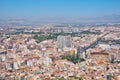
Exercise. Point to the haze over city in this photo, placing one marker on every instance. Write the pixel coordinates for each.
(61, 10)
(59, 39)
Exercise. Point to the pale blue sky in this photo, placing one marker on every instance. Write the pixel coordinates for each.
(58, 8)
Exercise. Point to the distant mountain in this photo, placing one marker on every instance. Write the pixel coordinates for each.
(42, 20)
(14, 22)
(104, 19)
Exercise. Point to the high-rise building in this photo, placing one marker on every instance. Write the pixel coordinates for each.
(63, 41)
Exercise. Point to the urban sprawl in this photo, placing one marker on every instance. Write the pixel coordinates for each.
(60, 52)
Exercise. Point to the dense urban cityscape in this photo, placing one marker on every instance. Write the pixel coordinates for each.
(60, 52)
(59, 39)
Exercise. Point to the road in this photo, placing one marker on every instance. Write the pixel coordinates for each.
(95, 42)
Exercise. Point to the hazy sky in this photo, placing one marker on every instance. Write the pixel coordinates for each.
(58, 8)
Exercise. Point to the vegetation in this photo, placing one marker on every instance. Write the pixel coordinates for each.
(62, 33)
(69, 78)
(43, 37)
(117, 41)
(89, 32)
(73, 58)
(74, 77)
(112, 41)
(109, 77)
(40, 37)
